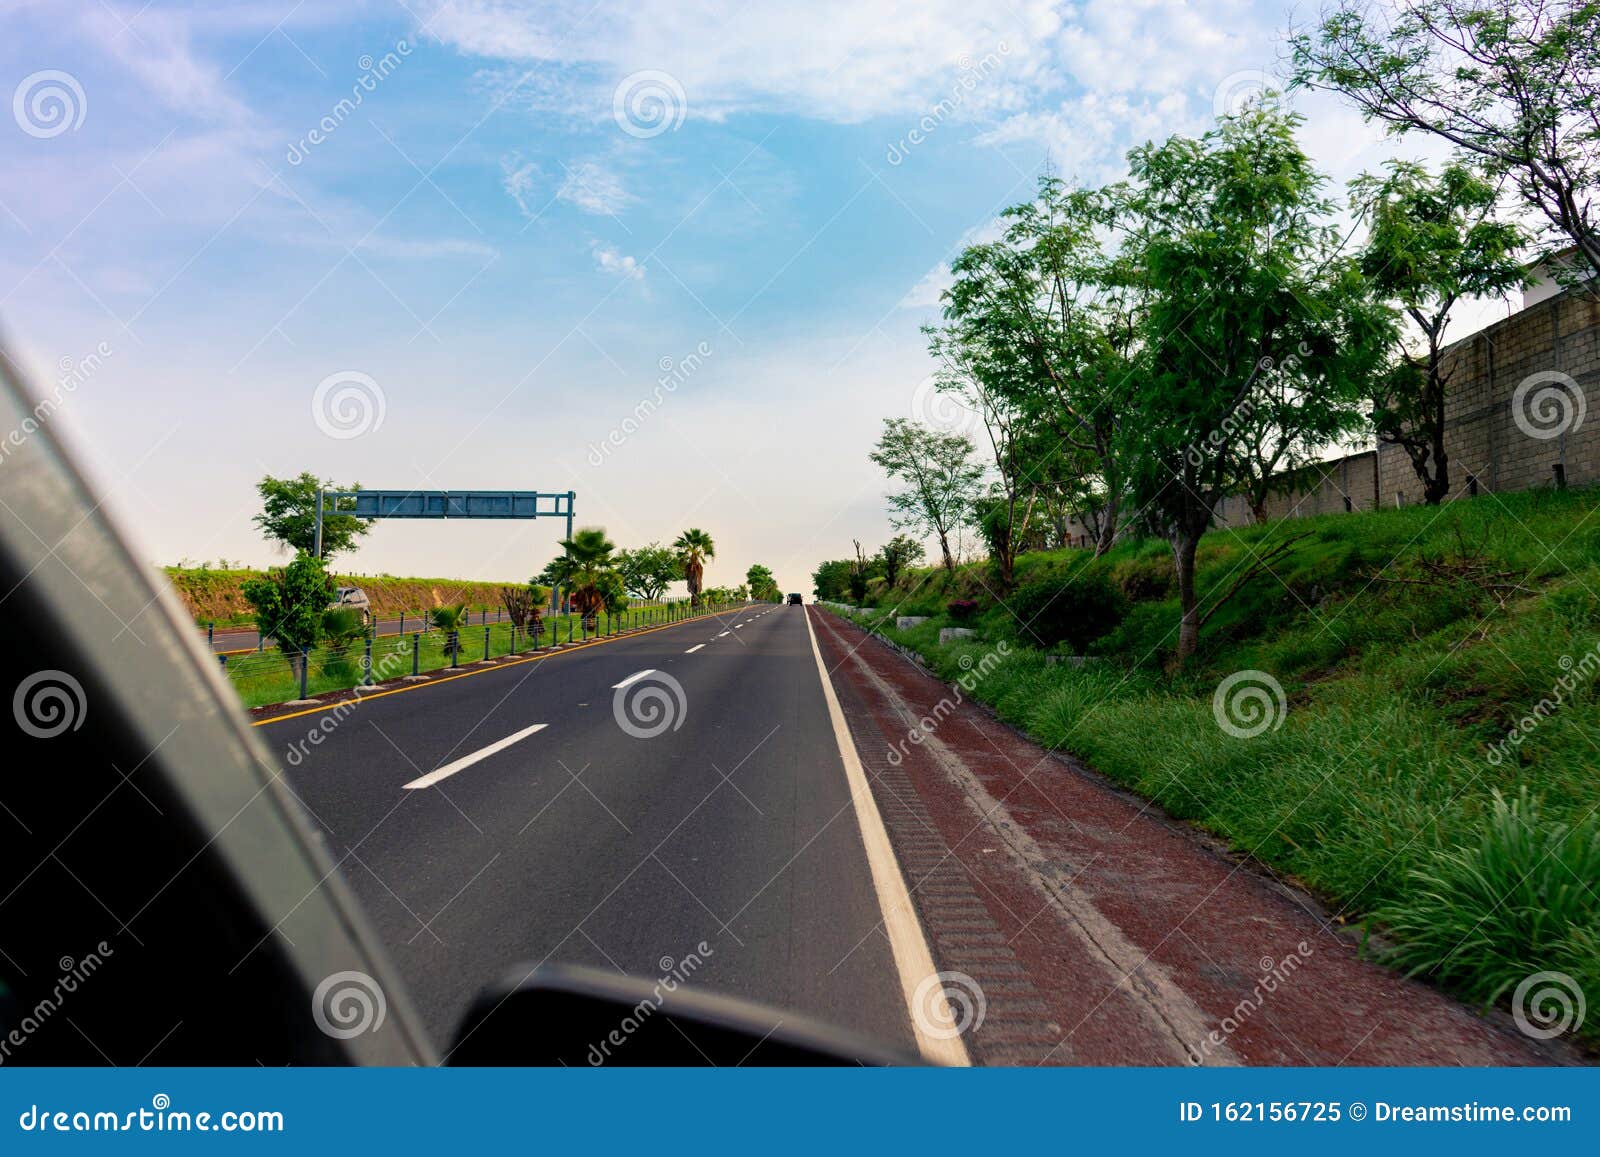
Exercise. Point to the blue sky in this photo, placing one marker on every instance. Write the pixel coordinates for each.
(474, 274)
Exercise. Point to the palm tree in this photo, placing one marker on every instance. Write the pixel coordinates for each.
(450, 620)
(694, 547)
(586, 570)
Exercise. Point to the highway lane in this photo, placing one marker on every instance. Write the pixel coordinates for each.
(580, 842)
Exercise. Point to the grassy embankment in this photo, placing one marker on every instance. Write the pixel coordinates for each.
(213, 596)
(1410, 643)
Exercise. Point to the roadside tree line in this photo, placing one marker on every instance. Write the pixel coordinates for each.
(1131, 354)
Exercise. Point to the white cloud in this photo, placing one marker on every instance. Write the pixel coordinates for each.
(839, 60)
(594, 188)
(1085, 79)
(423, 248)
(607, 259)
(519, 178)
(155, 48)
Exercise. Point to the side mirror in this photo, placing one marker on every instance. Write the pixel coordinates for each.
(565, 1014)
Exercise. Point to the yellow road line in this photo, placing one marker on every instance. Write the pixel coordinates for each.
(499, 666)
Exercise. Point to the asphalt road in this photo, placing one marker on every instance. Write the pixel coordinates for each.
(582, 843)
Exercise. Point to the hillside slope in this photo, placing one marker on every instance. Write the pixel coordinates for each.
(214, 595)
(1399, 712)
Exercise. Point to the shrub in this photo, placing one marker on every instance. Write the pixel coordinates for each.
(1146, 578)
(1484, 917)
(962, 610)
(1075, 611)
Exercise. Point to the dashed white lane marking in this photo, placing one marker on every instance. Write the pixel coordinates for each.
(634, 678)
(693, 649)
(467, 761)
(724, 633)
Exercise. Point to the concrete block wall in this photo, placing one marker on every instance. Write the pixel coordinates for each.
(1504, 395)
(1500, 434)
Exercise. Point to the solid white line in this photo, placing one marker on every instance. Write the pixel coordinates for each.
(907, 943)
(467, 761)
(634, 678)
(693, 649)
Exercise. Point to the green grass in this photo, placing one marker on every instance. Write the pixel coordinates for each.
(265, 677)
(1409, 643)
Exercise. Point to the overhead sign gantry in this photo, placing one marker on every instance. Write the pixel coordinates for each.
(443, 504)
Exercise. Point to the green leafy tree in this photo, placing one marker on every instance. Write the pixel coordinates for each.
(940, 479)
(289, 515)
(831, 580)
(1432, 241)
(761, 584)
(290, 604)
(695, 548)
(1242, 279)
(1514, 85)
(898, 555)
(1039, 336)
(647, 571)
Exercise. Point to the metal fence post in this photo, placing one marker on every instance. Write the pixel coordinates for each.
(211, 632)
(486, 630)
(416, 652)
(224, 659)
(366, 664)
(305, 669)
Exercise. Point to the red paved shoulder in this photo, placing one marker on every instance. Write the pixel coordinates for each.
(1088, 928)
